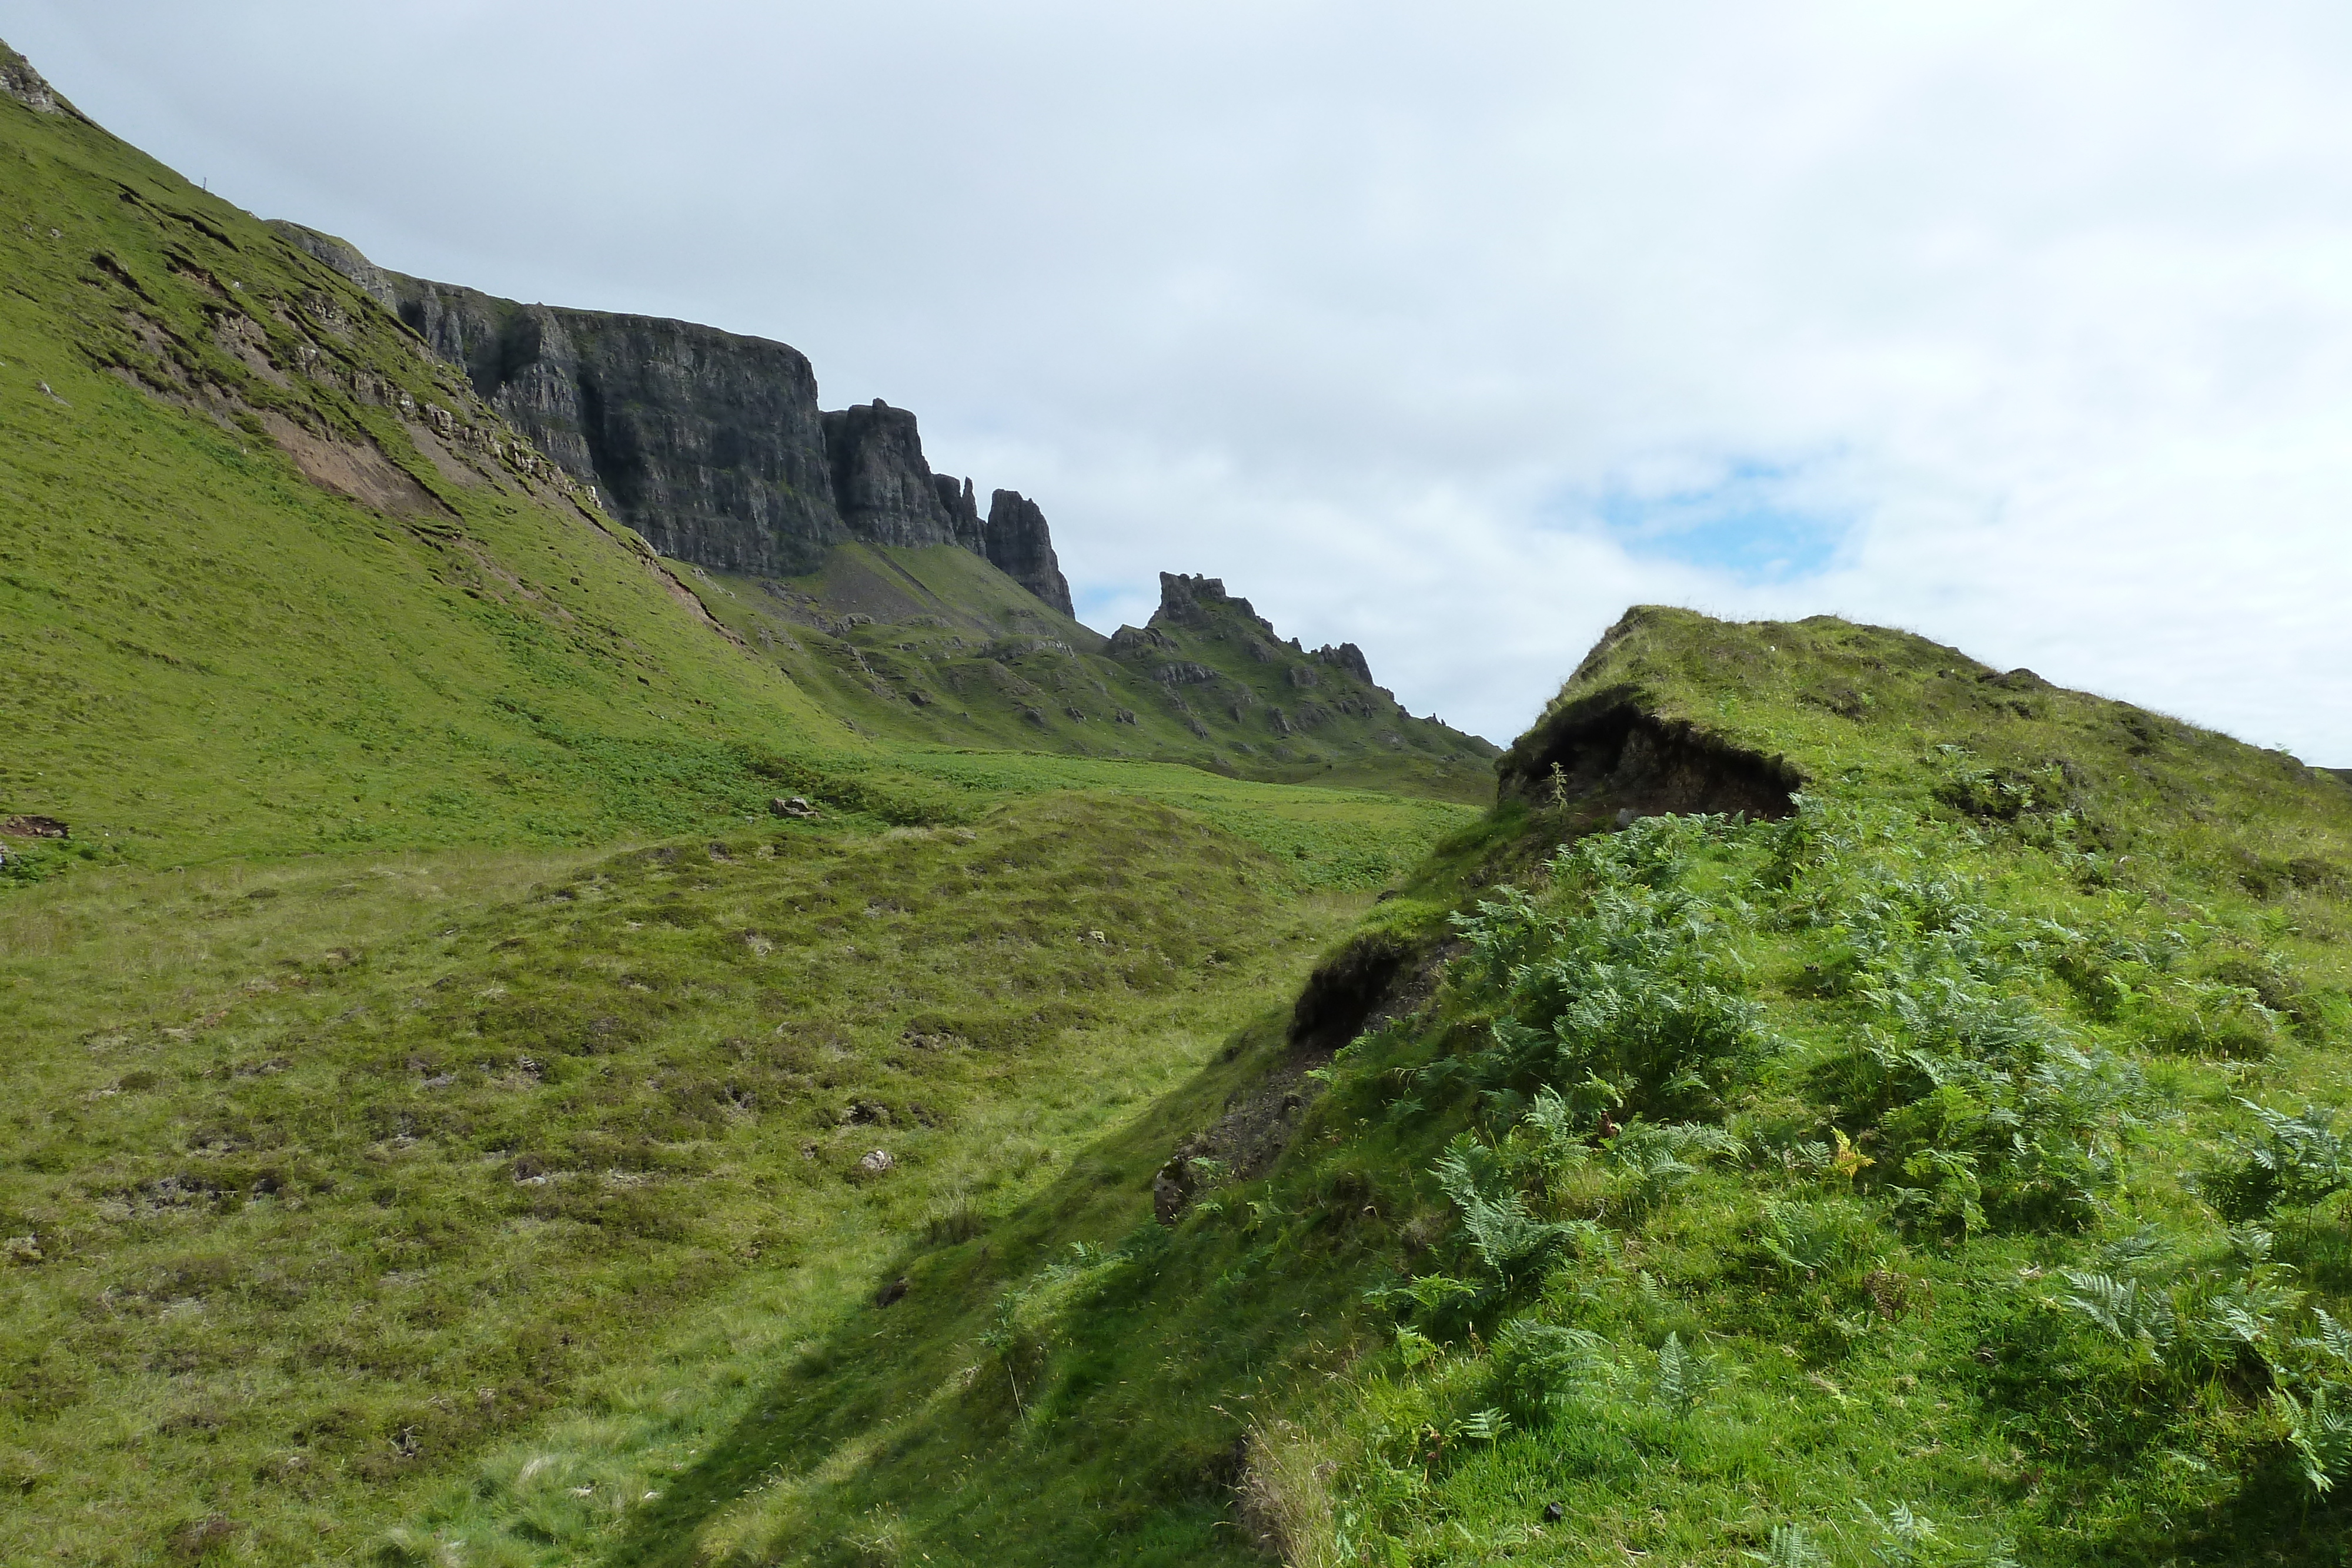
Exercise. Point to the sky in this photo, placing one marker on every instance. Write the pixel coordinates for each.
(1447, 330)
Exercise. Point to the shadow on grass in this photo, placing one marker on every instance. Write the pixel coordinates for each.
(883, 1362)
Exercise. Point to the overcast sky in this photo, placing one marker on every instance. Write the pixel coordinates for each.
(1448, 330)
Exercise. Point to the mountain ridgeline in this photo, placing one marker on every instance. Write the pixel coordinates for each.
(819, 535)
(708, 442)
(713, 447)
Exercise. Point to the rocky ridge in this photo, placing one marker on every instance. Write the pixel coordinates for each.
(20, 81)
(908, 647)
(709, 444)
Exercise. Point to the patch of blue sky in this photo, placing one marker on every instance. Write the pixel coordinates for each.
(1751, 525)
(1111, 606)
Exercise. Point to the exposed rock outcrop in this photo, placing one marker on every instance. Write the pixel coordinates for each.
(1374, 979)
(963, 512)
(20, 81)
(1349, 657)
(1021, 547)
(708, 442)
(1199, 605)
(1609, 744)
(373, 280)
(1191, 601)
(885, 491)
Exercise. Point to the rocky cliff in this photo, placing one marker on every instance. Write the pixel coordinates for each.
(709, 444)
(1021, 547)
(1198, 602)
(886, 492)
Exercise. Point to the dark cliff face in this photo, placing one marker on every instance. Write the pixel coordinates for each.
(708, 444)
(1191, 601)
(963, 513)
(886, 492)
(1022, 547)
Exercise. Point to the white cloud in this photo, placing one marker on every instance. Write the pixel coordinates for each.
(1451, 331)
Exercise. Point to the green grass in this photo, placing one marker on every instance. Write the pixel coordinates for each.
(398, 1072)
(440, 1096)
(1902, 1327)
(937, 648)
(1875, 1187)
(214, 658)
(336, 1174)
(1362, 839)
(210, 655)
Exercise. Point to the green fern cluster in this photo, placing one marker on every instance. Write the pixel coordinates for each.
(1841, 1047)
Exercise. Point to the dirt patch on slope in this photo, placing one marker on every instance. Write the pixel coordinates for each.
(1607, 747)
(350, 468)
(445, 463)
(357, 469)
(1374, 979)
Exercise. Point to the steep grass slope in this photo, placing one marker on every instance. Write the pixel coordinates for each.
(271, 581)
(1939, 1161)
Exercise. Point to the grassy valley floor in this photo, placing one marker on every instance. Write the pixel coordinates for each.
(327, 1176)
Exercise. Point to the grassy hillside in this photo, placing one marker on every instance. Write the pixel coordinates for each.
(271, 581)
(937, 647)
(219, 652)
(1843, 1105)
(1943, 1167)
